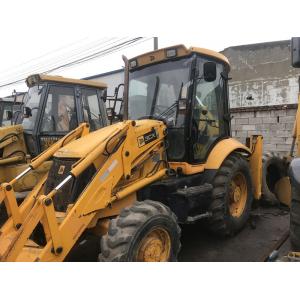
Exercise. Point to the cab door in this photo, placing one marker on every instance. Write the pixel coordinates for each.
(59, 115)
(209, 107)
(92, 108)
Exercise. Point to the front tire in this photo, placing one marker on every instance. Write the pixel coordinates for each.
(147, 231)
(231, 197)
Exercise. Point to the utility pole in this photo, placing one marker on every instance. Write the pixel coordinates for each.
(155, 42)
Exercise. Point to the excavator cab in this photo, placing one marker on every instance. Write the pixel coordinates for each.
(188, 91)
(55, 106)
(10, 107)
(52, 107)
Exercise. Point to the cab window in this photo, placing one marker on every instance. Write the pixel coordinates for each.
(60, 113)
(6, 108)
(208, 124)
(32, 101)
(91, 109)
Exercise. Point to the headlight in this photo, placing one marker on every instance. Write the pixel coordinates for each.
(171, 53)
(133, 63)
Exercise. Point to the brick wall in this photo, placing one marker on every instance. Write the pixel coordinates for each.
(275, 123)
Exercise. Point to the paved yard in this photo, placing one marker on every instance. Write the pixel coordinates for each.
(249, 245)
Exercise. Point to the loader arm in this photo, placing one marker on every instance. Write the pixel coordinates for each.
(118, 158)
(12, 145)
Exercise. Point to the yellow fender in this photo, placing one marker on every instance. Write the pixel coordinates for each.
(254, 153)
(221, 150)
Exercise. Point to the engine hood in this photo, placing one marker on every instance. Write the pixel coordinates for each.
(83, 146)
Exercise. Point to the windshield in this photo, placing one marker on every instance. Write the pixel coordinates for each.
(32, 101)
(154, 91)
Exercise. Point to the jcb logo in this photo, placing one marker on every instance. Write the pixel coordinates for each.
(61, 170)
(141, 141)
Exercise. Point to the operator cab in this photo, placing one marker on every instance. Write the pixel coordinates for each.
(56, 105)
(10, 107)
(188, 90)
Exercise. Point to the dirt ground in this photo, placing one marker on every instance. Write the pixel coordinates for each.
(254, 243)
(267, 230)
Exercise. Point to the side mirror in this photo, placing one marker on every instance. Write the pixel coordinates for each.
(210, 71)
(295, 51)
(110, 113)
(120, 91)
(9, 115)
(27, 112)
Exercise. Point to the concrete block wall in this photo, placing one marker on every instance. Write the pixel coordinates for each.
(275, 124)
(264, 72)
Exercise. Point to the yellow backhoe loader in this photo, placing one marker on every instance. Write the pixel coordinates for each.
(53, 106)
(171, 161)
(10, 107)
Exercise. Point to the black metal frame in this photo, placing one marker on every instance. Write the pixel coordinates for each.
(225, 110)
(36, 134)
(188, 156)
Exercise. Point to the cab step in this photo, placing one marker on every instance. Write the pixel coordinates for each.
(190, 203)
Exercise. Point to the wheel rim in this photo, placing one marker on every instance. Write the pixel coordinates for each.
(238, 195)
(155, 246)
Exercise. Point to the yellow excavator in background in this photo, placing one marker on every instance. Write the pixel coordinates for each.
(53, 106)
(171, 161)
(10, 108)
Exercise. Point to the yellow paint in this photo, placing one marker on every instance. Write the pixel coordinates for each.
(283, 191)
(39, 78)
(215, 158)
(238, 195)
(187, 168)
(255, 163)
(160, 55)
(296, 132)
(154, 247)
(97, 197)
(222, 150)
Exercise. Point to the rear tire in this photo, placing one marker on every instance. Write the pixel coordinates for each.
(146, 231)
(231, 197)
(295, 220)
(273, 169)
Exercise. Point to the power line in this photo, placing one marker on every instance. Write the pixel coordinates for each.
(82, 51)
(110, 50)
(97, 54)
(50, 67)
(43, 55)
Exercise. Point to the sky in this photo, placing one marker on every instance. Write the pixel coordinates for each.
(34, 33)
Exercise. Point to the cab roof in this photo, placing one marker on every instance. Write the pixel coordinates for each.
(39, 78)
(181, 50)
